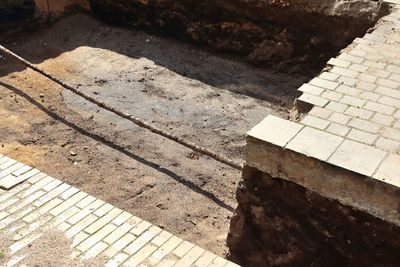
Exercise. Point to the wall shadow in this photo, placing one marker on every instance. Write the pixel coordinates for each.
(226, 72)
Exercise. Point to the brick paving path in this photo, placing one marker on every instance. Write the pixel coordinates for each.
(31, 201)
(355, 119)
(347, 147)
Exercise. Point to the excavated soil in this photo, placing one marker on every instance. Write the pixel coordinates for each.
(209, 99)
(51, 248)
(305, 229)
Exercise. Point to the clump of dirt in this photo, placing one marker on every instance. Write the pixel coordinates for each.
(53, 248)
(284, 34)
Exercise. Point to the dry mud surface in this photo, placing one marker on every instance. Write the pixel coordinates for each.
(206, 98)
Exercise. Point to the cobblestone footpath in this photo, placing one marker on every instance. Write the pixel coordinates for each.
(31, 201)
(353, 124)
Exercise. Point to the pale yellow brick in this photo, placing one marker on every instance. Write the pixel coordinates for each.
(26, 201)
(339, 118)
(351, 58)
(366, 85)
(344, 72)
(382, 119)
(338, 129)
(315, 122)
(117, 260)
(362, 137)
(205, 259)
(365, 125)
(352, 101)
(347, 90)
(142, 240)
(140, 228)
(97, 237)
(387, 144)
(53, 184)
(339, 62)
(369, 78)
(335, 106)
(65, 205)
(388, 83)
(164, 250)
(141, 255)
(121, 244)
(51, 195)
(347, 81)
(183, 248)
(43, 210)
(22, 170)
(122, 218)
(328, 76)
(161, 238)
(388, 92)
(81, 225)
(324, 83)
(78, 238)
(370, 96)
(374, 64)
(103, 221)
(331, 95)
(387, 100)
(314, 100)
(103, 210)
(85, 211)
(388, 110)
(94, 251)
(358, 67)
(311, 89)
(359, 113)
(390, 133)
(190, 257)
(118, 233)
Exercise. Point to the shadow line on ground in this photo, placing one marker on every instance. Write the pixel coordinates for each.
(120, 149)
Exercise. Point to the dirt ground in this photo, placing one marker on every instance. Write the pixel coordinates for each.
(51, 248)
(209, 99)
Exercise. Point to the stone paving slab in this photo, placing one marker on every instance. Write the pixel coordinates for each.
(31, 201)
(347, 146)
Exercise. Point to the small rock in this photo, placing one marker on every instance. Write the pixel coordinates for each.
(41, 95)
(73, 153)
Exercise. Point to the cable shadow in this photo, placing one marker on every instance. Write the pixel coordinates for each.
(120, 149)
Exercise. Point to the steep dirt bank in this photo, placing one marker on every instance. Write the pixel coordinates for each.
(279, 223)
(14, 10)
(291, 34)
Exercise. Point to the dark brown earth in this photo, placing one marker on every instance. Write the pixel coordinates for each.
(193, 93)
(14, 10)
(279, 223)
(300, 35)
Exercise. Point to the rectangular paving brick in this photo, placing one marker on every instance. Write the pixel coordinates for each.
(353, 155)
(275, 130)
(315, 143)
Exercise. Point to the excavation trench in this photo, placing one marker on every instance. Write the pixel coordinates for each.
(206, 71)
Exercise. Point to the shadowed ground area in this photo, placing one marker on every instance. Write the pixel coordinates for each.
(209, 99)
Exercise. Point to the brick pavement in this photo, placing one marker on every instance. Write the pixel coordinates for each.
(347, 144)
(31, 201)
